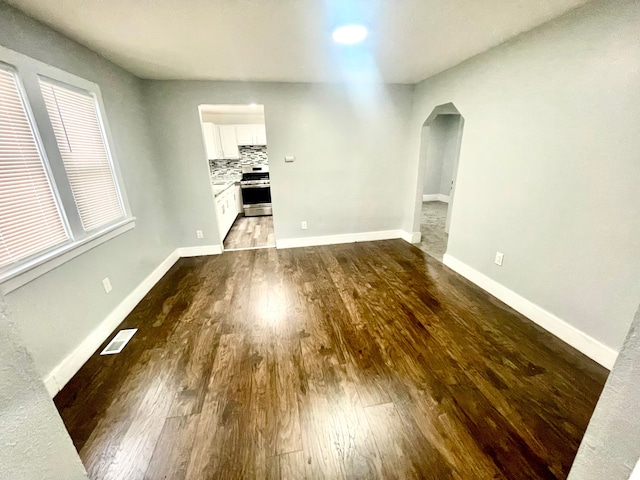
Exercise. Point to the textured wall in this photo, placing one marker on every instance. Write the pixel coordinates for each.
(611, 445)
(549, 171)
(55, 312)
(34, 444)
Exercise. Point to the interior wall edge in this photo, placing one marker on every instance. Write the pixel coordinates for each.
(589, 346)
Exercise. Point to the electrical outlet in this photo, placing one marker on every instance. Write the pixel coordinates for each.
(199, 234)
(499, 257)
(304, 225)
(106, 283)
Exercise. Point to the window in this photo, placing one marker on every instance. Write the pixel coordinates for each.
(60, 190)
(81, 143)
(30, 220)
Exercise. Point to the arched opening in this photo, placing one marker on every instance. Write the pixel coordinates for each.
(440, 141)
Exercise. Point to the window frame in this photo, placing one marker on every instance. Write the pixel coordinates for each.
(28, 72)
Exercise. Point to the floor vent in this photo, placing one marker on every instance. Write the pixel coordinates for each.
(119, 341)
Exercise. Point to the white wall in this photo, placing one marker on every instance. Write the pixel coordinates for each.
(350, 144)
(549, 169)
(433, 138)
(451, 124)
(441, 154)
(55, 312)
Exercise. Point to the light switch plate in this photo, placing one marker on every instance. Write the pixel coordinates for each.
(499, 258)
(289, 158)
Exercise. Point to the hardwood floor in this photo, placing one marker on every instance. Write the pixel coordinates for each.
(248, 232)
(367, 360)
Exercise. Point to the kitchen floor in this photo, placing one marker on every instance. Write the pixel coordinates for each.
(250, 232)
(432, 222)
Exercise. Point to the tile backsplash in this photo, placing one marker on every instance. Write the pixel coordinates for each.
(230, 170)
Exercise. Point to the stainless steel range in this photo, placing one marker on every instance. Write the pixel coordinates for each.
(256, 190)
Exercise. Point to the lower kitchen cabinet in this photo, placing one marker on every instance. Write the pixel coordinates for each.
(227, 208)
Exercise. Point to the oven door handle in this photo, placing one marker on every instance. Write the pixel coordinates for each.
(254, 186)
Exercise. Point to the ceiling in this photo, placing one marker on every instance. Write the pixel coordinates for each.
(290, 40)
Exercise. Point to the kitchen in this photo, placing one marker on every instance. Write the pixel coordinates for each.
(236, 145)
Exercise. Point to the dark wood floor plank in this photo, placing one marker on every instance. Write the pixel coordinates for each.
(486, 374)
(222, 429)
(137, 445)
(173, 450)
(368, 360)
(404, 451)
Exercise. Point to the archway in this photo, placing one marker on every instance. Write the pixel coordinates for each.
(441, 137)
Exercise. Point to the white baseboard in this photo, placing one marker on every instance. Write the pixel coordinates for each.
(592, 348)
(435, 197)
(337, 239)
(67, 368)
(199, 251)
(413, 237)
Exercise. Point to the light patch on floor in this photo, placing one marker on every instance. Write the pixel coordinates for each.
(432, 223)
(250, 233)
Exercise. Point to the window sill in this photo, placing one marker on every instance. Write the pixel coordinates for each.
(29, 271)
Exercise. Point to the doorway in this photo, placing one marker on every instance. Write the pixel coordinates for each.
(235, 141)
(439, 153)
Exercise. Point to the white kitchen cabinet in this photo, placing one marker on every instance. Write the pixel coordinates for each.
(254, 134)
(212, 143)
(227, 209)
(222, 141)
(260, 135)
(245, 134)
(229, 141)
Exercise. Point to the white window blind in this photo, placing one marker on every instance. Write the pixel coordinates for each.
(80, 138)
(30, 220)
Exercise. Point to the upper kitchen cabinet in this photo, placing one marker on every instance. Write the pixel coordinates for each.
(212, 142)
(229, 141)
(222, 141)
(255, 134)
(261, 135)
(245, 134)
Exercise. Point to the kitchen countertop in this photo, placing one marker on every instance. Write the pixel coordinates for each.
(218, 188)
